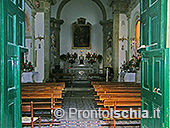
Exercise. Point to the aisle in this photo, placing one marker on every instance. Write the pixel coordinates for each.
(80, 97)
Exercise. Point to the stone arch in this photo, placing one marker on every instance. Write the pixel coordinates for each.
(97, 2)
(61, 6)
(102, 8)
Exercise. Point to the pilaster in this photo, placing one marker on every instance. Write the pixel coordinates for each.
(56, 25)
(129, 34)
(107, 27)
(45, 6)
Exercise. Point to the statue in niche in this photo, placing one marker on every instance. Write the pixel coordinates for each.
(53, 48)
(109, 51)
(134, 50)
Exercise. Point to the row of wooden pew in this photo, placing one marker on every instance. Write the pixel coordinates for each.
(117, 95)
(45, 96)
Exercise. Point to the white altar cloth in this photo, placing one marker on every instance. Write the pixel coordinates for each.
(29, 77)
(130, 77)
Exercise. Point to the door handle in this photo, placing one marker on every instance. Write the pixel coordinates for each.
(155, 90)
(158, 89)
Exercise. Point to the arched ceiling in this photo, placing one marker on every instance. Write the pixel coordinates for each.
(97, 2)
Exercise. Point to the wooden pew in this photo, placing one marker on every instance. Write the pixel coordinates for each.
(119, 96)
(44, 95)
(29, 120)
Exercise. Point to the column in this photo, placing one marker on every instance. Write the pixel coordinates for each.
(115, 40)
(33, 13)
(58, 27)
(47, 15)
(107, 27)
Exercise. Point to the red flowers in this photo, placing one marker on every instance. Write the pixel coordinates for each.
(28, 67)
(129, 65)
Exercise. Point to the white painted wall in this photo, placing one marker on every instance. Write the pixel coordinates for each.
(39, 30)
(92, 13)
(123, 32)
(75, 9)
(29, 53)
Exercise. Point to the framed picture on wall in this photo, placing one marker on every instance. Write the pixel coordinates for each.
(81, 34)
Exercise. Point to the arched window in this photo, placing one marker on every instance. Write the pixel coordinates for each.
(137, 34)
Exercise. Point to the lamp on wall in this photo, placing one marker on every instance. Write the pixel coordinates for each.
(40, 37)
(123, 38)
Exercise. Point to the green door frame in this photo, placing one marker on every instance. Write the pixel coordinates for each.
(1, 65)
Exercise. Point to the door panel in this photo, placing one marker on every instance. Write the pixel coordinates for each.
(12, 38)
(153, 86)
(155, 63)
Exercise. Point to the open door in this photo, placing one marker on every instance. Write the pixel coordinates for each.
(155, 63)
(12, 41)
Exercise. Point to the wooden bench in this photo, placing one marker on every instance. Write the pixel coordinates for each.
(29, 120)
(119, 96)
(44, 95)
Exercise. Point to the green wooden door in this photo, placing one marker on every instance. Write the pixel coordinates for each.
(12, 41)
(155, 63)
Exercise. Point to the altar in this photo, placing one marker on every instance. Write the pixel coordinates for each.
(81, 66)
(81, 73)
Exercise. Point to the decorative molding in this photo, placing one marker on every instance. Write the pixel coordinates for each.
(122, 6)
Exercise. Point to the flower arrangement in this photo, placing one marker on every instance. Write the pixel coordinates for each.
(88, 55)
(74, 56)
(91, 61)
(28, 67)
(68, 55)
(92, 58)
(72, 61)
(94, 55)
(132, 65)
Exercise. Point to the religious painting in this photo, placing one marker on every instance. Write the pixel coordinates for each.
(28, 22)
(81, 35)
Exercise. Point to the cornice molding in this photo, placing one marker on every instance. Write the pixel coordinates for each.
(122, 6)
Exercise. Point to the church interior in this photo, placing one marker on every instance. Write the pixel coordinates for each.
(100, 55)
